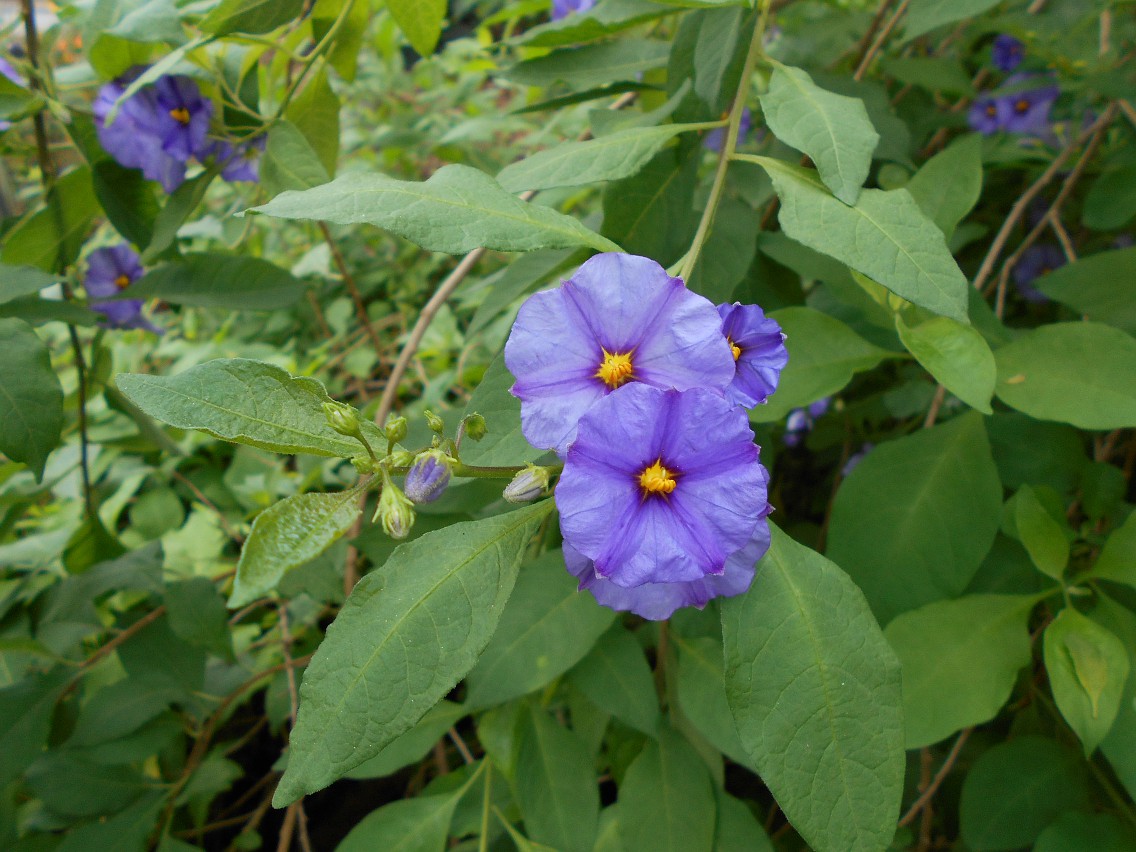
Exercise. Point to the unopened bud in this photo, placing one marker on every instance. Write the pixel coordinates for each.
(395, 512)
(474, 426)
(401, 458)
(395, 430)
(342, 418)
(433, 421)
(527, 485)
(364, 464)
(427, 477)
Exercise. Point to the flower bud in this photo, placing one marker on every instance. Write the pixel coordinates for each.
(395, 430)
(401, 458)
(527, 485)
(342, 418)
(474, 426)
(427, 477)
(395, 512)
(433, 421)
(364, 464)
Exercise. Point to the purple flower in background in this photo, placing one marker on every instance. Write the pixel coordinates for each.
(14, 76)
(109, 271)
(985, 115)
(619, 319)
(661, 486)
(758, 347)
(657, 601)
(716, 138)
(1036, 261)
(563, 8)
(241, 163)
(802, 420)
(1027, 111)
(857, 457)
(183, 117)
(1007, 52)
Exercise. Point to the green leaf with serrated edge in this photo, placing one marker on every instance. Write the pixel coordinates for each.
(289, 161)
(250, 16)
(948, 185)
(1100, 286)
(1072, 372)
(503, 444)
(1117, 560)
(666, 800)
(616, 678)
(31, 398)
(960, 659)
(1017, 788)
(925, 15)
(592, 65)
(26, 710)
(19, 281)
(1081, 832)
(816, 696)
(555, 784)
(606, 18)
(457, 210)
(617, 155)
(1041, 536)
(211, 280)
(956, 355)
(1088, 667)
(832, 129)
(547, 627)
(247, 402)
(702, 695)
(420, 21)
(824, 354)
(925, 507)
(884, 236)
(287, 535)
(412, 746)
(407, 634)
(421, 824)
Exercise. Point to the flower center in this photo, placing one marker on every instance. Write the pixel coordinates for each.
(615, 369)
(737, 350)
(122, 282)
(991, 110)
(1021, 105)
(656, 479)
(180, 115)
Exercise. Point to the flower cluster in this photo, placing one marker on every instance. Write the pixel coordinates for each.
(641, 386)
(163, 126)
(110, 271)
(1022, 103)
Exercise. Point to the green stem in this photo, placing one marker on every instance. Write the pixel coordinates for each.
(318, 51)
(729, 145)
(486, 801)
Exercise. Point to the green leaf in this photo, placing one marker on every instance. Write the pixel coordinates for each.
(1016, 789)
(19, 281)
(503, 444)
(926, 15)
(1101, 286)
(71, 786)
(287, 535)
(178, 207)
(738, 829)
(315, 111)
(128, 200)
(956, 355)
(289, 161)
(719, 50)
(824, 354)
(617, 155)
(1119, 747)
(885, 236)
(120, 709)
(547, 627)
(208, 280)
(25, 720)
(1110, 203)
(666, 801)
(816, 696)
(1081, 832)
(1117, 560)
(702, 695)
(412, 746)
(250, 16)
(960, 659)
(247, 402)
(949, 184)
(52, 238)
(1088, 667)
(127, 831)
(592, 65)
(457, 210)
(420, 21)
(606, 18)
(31, 398)
(1043, 537)
(1073, 372)
(914, 520)
(197, 614)
(933, 73)
(728, 253)
(616, 678)
(833, 130)
(407, 634)
(555, 785)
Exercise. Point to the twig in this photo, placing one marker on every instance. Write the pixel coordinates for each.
(873, 28)
(103, 650)
(936, 404)
(459, 744)
(352, 288)
(940, 776)
(209, 504)
(878, 44)
(925, 823)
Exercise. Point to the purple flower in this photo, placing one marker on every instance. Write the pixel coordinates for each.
(1027, 111)
(563, 8)
(857, 457)
(1036, 261)
(241, 163)
(657, 601)
(619, 319)
(801, 420)
(14, 76)
(758, 347)
(183, 117)
(1007, 52)
(986, 115)
(716, 138)
(427, 478)
(661, 486)
(109, 271)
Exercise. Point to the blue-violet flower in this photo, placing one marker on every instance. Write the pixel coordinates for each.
(758, 346)
(716, 138)
(109, 271)
(1007, 52)
(240, 163)
(563, 8)
(427, 477)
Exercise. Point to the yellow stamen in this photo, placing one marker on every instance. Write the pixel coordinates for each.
(656, 479)
(180, 115)
(1022, 105)
(122, 282)
(615, 369)
(737, 350)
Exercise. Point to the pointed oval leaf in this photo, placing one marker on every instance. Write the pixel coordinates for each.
(1042, 536)
(815, 692)
(1101, 286)
(956, 355)
(212, 280)
(948, 185)
(250, 16)
(1117, 560)
(420, 21)
(407, 634)
(616, 678)
(31, 398)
